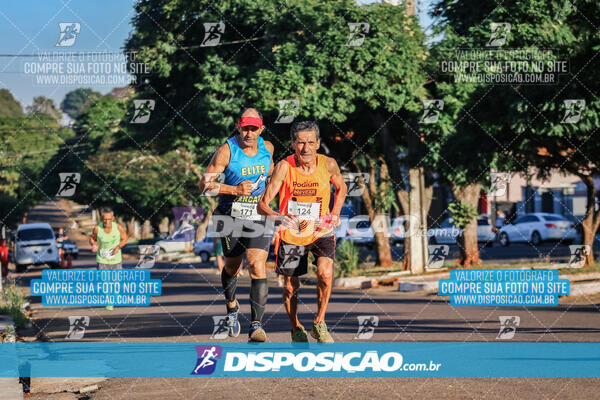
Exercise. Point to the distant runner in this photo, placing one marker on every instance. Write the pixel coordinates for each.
(303, 183)
(60, 242)
(245, 159)
(107, 240)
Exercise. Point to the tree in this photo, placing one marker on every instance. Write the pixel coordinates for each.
(77, 100)
(363, 89)
(9, 107)
(530, 130)
(27, 144)
(119, 172)
(198, 90)
(44, 105)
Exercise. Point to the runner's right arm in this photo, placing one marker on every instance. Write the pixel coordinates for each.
(217, 165)
(93, 239)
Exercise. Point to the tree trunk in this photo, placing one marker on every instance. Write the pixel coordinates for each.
(163, 227)
(469, 252)
(146, 229)
(403, 197)
(389, 146)
(592, 220)
(382, 240)
(131, 231)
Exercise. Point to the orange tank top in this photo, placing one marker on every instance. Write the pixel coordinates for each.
(306, 196)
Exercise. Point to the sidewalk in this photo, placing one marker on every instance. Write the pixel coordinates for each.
(587, 283)
(10, 388)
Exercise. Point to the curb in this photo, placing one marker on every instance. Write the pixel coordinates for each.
(577, 289)
(585, 289)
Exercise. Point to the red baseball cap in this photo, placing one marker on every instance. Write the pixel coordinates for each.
(250, 121)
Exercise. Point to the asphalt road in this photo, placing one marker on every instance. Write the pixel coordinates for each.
(192, 296)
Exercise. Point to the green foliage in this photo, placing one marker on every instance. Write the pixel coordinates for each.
(9, 107)
(77, 100)
(27, 144)
(347, 256)
(199, 91)
(11, 302)
(102, 121)
(462, 214)
(511, 127)
(44, 105)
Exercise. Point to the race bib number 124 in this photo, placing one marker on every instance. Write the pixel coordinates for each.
(305, 211)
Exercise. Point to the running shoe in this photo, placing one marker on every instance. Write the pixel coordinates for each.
(257, 333)
(320, 332)
(231, 319)
(299, 335)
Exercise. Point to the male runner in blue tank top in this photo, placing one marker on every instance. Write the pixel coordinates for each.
(246, 161)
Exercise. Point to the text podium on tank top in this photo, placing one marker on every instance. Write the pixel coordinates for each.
(305, 196)
(106, 243)
(242, 168)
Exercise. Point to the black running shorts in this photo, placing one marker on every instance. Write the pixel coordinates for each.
(292, 259)
(245, 235)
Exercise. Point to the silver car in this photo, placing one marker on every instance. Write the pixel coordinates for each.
(35, 244)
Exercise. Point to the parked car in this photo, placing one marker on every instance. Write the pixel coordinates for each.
(174, 243)
(360, 232)
(536, 228)
(448, 233)
(71, 248)
(397, 231)
(204, 248)
(35, 244)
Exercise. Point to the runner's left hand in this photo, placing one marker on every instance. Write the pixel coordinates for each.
(330, 221)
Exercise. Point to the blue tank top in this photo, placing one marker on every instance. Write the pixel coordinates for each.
(245, 168)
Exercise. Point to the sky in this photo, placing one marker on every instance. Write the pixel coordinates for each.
(31, 28)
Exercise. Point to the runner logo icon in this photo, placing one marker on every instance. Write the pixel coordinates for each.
(68, 33)
(148, 256)
(508, 326)
(431, 111)
(212, 33)
(207, 359)
(366, 326)
(355, 185)
(358, 32)
(437, 255)
(143, 108)
(579, 255)
(288, 109)
(77, 325)
(499, 182)
(220, 328)
(68, 183)
(573, 110)
(499, 33)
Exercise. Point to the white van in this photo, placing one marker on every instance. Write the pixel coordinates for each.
(35, 244)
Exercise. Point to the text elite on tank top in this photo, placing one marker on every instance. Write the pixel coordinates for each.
(241, 168)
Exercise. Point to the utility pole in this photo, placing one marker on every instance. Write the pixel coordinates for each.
(418, 250)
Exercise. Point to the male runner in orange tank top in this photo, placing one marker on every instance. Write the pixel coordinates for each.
(303, 182)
